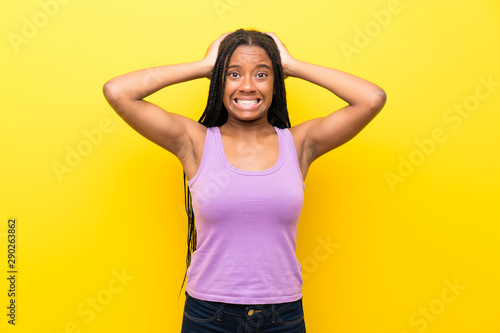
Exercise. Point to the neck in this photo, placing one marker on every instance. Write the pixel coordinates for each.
(247, 129)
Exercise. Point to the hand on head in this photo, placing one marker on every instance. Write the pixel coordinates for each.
(213, 49)
(211, 55)
(285, 56)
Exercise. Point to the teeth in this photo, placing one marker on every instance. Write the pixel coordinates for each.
(247, 102)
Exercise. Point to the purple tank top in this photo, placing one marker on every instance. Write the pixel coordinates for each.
(247, 224)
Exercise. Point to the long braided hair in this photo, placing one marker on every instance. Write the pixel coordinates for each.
(215, 113)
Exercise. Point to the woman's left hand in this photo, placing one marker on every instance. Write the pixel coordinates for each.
(286, 59)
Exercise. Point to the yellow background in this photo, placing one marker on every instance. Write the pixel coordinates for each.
(393, 245)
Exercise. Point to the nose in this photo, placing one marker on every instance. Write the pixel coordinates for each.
(247, 84)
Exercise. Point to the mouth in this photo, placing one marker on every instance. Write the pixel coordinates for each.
(247, 103)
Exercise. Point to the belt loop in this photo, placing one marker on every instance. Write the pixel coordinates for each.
(221, 311)
(273, 310)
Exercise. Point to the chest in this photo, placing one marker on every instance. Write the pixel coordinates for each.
(251, 155)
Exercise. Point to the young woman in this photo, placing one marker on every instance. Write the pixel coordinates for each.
(245, 168)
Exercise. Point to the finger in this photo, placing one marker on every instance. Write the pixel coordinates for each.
(278, 41)
(221, 37)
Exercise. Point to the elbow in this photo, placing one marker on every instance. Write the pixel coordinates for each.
(110, 92)
(115, 97)
(376, 100)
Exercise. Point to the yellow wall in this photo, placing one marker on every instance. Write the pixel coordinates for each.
(399, 230)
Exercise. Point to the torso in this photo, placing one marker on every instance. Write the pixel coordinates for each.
(258, 153)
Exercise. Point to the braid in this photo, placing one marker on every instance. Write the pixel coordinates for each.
(215, 113)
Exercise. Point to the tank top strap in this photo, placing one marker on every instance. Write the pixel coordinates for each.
(219, 149)
(291, 150)
(209, 145)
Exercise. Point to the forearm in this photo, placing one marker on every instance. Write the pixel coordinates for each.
(352, 89)
(141, 83)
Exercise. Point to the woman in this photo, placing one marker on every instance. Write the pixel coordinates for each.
(245, 168)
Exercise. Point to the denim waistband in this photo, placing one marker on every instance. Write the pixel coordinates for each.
(246, 310)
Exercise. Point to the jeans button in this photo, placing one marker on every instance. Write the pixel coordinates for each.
(250, 312)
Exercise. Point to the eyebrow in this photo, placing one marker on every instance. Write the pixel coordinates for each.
(258, 66)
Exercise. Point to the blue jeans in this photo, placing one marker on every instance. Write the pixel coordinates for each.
(203, 316)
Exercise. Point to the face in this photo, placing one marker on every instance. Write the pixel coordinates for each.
(249, 85)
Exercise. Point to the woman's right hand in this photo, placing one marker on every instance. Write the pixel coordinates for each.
(211, 55)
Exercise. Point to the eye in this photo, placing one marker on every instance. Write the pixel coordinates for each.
(261, 75)
(232, 74)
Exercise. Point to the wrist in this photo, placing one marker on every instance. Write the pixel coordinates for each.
(291, 68)
(205, 68)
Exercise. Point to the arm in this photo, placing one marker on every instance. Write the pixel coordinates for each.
(171, 131)
(365, 99)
